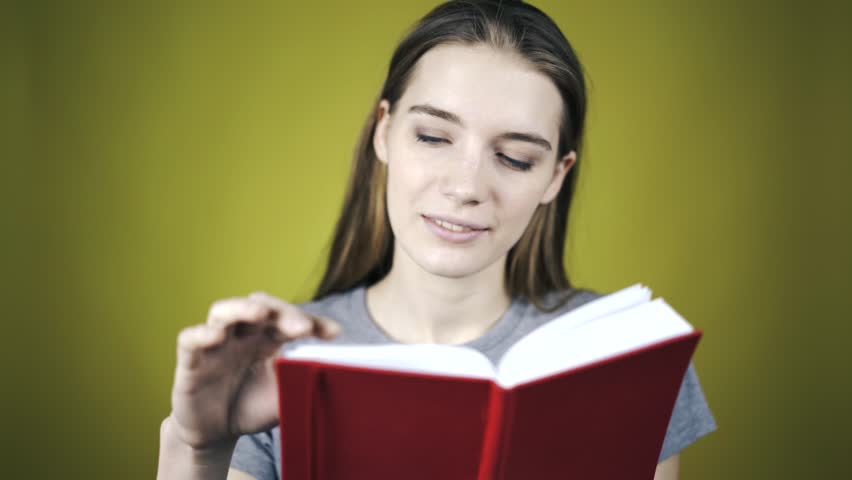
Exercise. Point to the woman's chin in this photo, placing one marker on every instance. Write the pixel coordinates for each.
(452, 267)
(451, 272)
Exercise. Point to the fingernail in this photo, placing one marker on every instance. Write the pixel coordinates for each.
(331, 328)
(296, 324)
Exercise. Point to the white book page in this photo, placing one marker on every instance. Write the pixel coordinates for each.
(537, 356)
(621, 300)
(467, 362)
(562, 326)
(419, 358)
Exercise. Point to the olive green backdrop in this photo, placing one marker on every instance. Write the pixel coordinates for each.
(159, 157)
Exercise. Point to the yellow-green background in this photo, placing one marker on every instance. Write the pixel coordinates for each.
(158, 157)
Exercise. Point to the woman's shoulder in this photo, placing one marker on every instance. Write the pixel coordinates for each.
(558, 302)
(332, 304)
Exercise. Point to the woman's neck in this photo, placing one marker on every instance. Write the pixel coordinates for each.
(415, 306)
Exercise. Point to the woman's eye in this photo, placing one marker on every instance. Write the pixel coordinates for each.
(511, 162)
(428, 139)
(515, 164)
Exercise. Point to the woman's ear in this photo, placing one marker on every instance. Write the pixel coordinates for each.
(561, 169)
(380, 135)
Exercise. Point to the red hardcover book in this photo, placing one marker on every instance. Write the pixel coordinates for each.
(586, 396)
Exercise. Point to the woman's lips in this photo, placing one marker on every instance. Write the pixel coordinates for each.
(450, 235)
(457, 221)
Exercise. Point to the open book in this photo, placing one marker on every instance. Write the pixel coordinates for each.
(587, 395)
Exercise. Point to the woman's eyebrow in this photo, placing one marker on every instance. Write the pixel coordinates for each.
(436, 112)
(427, 109)
(526, 137)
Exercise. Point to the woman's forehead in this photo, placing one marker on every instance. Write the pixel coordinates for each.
(486, 89)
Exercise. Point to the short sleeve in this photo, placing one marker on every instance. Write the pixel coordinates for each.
(691, 418)
(254, 456)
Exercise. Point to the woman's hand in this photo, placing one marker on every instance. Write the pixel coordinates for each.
(225, 382)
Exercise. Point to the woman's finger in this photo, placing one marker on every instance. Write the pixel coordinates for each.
(224, 313)
(295, 322)
(326, 328)
(192, 341)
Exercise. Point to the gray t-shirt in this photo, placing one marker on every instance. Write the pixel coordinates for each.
(259, 454)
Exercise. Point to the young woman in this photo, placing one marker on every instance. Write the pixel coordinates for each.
(452, 232)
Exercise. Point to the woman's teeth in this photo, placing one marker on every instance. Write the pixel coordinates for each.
(452, 226)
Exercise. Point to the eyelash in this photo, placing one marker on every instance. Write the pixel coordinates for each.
(514, 164)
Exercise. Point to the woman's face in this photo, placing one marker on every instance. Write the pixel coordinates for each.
(471, 153)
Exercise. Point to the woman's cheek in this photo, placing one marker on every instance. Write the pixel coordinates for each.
(415, 174)
(520, 208)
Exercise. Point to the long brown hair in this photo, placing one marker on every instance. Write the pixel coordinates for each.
(362, 249)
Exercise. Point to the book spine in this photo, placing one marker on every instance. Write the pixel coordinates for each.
(317, 421)
(302, 433)
(495, 422)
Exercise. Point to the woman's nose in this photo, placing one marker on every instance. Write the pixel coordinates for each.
(466, 180)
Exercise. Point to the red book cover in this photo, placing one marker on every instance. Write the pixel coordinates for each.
(602, 420)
